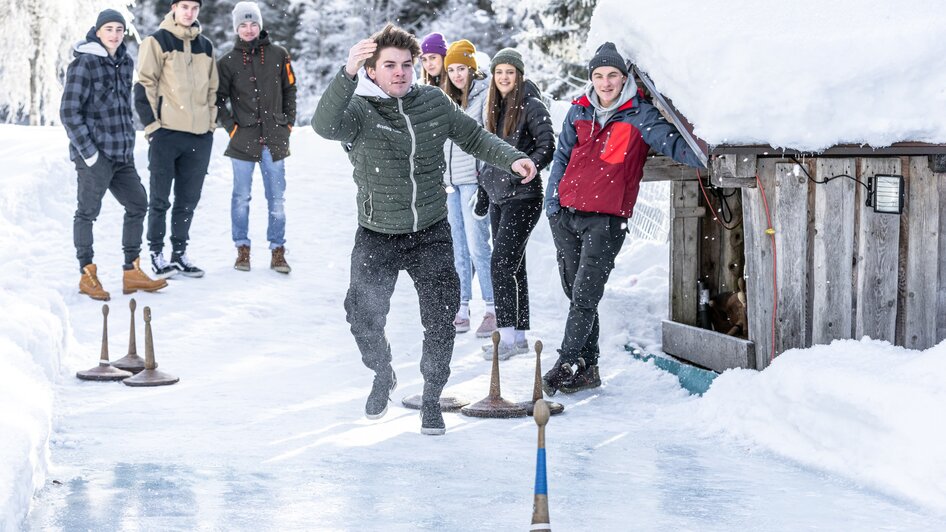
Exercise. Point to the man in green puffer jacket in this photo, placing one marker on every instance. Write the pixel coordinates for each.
(394, 131)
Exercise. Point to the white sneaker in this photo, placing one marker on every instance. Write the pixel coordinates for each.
(506, 351)
(162, 268)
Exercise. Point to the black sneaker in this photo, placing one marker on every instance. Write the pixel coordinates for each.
(377, 405)
(183, 265)
(555, 377)
(431, 420)
(585, 378)
(162, 268)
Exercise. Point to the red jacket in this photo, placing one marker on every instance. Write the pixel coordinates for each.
(599, 169)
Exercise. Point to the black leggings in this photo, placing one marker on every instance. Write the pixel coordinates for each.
(512, 223)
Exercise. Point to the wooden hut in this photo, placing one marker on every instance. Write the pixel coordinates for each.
(818, 263)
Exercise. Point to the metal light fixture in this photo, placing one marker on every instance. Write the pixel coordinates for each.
(885, 193)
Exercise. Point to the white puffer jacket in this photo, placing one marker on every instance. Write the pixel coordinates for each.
(463, 168)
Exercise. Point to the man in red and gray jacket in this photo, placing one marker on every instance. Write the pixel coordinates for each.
(596, 175)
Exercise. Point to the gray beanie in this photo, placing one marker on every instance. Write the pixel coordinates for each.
(108, 15)
(508, 56)
(246, 11)
(607, 55)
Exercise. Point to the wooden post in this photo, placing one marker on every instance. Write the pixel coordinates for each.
(684, 252)
(878, 242)
(922, 264)
(791, 244)
(833, 252)
(758, 246)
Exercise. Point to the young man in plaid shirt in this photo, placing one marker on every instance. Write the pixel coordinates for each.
(96, 112)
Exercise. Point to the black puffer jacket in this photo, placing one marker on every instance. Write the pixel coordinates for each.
(534, 137)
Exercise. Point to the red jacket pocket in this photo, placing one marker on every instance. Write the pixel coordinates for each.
(619, 140)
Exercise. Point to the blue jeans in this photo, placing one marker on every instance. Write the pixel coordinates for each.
(471, 247)
(274, 185)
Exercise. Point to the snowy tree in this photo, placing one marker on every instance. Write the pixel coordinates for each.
(39, 36)
(551, 38)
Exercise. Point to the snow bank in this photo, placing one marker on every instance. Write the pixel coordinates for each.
(865, 410)
(34, 332)
(804, 75)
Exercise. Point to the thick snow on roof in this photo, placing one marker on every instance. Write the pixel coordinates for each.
(807, 74)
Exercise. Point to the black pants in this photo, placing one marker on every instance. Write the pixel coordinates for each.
(176, 159)
(122, 180)
(427, 255)
(512, 223)
(586, 245)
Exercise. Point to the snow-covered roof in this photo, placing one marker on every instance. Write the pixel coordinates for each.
(805, 75)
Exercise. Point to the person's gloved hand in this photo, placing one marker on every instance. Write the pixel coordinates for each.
(479, 203)
(552, 207)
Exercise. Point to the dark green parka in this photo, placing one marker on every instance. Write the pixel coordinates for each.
(396, 147)
(257, 80)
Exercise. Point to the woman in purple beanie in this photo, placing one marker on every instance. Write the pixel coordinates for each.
(433, 49)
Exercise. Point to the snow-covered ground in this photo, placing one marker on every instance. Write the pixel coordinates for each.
(806, 74)
(266, 430)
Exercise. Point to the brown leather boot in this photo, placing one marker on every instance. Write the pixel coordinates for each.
(135, 279)
(279, 261)
(90, 285)
(243, 259)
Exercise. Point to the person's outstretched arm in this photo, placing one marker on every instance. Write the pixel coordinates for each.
(663, 137)
(473, 139)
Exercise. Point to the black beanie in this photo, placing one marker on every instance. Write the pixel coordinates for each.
(176, 1)
(607, 55)
(109, 15)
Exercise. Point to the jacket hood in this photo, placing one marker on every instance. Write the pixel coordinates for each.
(627, 94)
(531, 90)
(369, 89)
(92, 45)
(179, 31)
(261, 40)
(479, 87)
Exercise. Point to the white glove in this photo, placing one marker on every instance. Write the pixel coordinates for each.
(92, 160)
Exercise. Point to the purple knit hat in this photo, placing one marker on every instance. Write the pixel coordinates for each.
(434, 44)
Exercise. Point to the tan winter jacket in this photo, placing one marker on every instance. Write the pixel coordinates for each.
(177, 80)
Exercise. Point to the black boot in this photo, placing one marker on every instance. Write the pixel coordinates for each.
(431, 420)
(385, 381)
(555, 377)
(585, 378)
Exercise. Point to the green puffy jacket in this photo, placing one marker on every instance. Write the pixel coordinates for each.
(396, 147)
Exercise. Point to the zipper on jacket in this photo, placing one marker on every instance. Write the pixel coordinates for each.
(450, 164)
(410, 130)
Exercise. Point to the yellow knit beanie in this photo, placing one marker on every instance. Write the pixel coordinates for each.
(461, 52)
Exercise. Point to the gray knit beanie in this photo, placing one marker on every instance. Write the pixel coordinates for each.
(246, 11)
(109, 15)
(508, 56)
(607, 55)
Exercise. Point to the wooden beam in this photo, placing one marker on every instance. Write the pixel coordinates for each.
(734, 171)
(661, 168)
(706, 348)
(684, 254)
(791, 243)
(922, 266)
(832, 305)
(758, 253)
(840, 150)
(878, 242)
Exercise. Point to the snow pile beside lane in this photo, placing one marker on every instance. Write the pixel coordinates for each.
(865, 410)
(34, 333)
(806, 75)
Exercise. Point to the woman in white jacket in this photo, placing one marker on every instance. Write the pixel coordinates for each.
(471, 248)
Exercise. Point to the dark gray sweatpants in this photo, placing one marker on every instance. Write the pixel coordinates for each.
(122, 180)
(586, 244)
